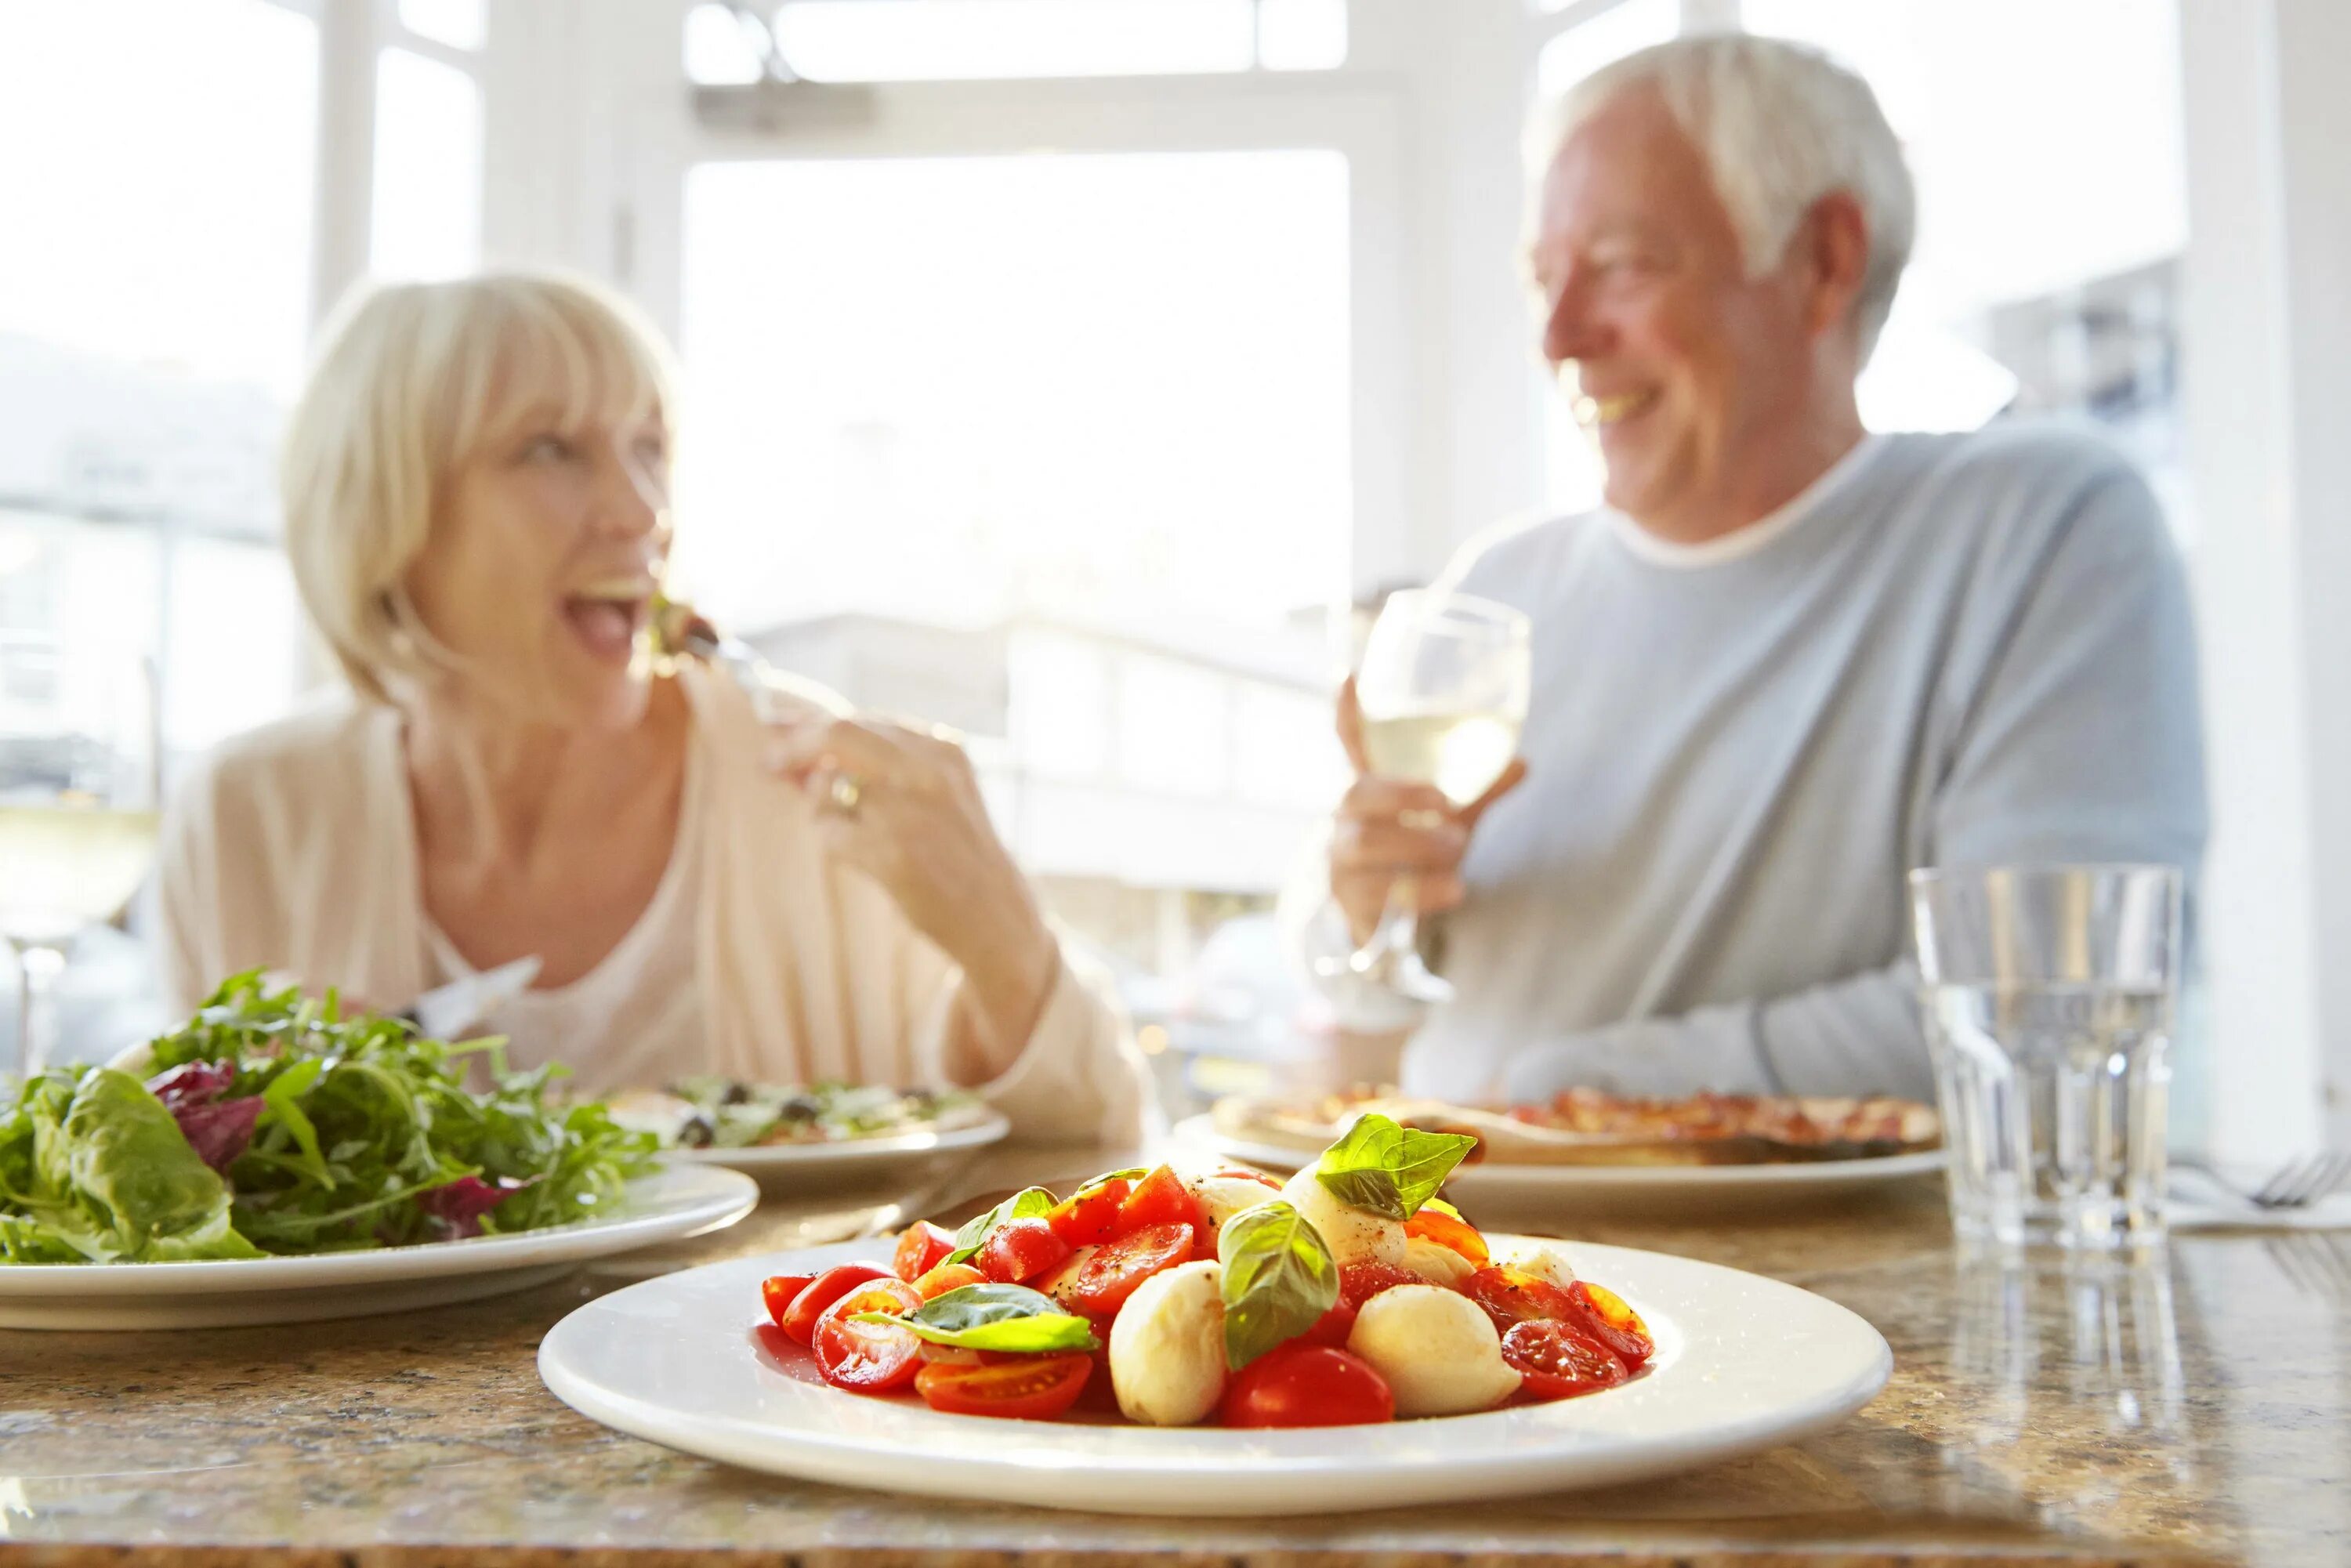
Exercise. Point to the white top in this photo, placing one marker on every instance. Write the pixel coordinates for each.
(638, 1012)
(1950, 650)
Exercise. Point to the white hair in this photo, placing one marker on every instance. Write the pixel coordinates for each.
(1780, 125)
(413, 380)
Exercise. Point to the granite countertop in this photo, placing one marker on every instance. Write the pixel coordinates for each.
(2197, 1410)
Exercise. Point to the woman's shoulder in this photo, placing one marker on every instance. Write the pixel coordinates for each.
(322, 753)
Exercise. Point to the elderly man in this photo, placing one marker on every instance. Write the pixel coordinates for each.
(1789, 660)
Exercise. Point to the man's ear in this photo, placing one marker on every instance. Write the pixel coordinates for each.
(1831, 253)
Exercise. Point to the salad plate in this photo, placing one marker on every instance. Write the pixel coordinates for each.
(1563, 1188)
(673, 1203)
(1741, 1363)
(848, 1158)
(792, 1135)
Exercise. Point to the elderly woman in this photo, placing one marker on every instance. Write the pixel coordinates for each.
(477, 510)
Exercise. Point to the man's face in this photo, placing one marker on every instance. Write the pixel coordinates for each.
(1687, 369)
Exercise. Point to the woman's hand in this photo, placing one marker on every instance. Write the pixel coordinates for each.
(904, 807)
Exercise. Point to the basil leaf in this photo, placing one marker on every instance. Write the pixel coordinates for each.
(1011, 1318)
(1030, 1203)
(1103, 1180)
(1279, 1279)
(1387, 1169)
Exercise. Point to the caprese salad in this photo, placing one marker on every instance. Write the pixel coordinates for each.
(1349, 1294)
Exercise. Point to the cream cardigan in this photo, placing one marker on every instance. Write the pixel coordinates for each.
(294, 847)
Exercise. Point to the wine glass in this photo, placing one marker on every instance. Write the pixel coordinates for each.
(78, 810)
(1443, 692)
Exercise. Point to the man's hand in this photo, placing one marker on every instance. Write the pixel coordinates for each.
(1388, 828)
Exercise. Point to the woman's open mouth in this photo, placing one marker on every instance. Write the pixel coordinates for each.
(606, 616)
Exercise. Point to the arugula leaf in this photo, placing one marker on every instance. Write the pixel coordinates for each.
(1030, 1203)
(1011, 1318)
(1279, 1279)
(279, 1108)
(1387, 1169)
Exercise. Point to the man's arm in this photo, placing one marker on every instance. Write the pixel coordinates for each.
(2078, 738)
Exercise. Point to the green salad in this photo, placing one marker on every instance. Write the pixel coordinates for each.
(270, 1124)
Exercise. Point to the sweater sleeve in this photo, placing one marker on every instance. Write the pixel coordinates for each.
(2077, 739)
(1079, 1079)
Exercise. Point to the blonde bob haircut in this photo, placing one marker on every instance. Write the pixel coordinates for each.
(413, 380)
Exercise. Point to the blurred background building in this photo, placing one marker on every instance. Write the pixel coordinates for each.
(1066, 370)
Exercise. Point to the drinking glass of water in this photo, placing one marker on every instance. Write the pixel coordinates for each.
(2049, 993)
(78, 798)
(1443, 692)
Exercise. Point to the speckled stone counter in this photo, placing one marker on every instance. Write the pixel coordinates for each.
(2200, 1410)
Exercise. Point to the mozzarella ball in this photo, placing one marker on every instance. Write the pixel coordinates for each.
(1543, 1260)
(1353, 1235)
(1061, 1284)
(1222, 1196)
(1437, 1348)
(1436, 1263)
(1167, 1346)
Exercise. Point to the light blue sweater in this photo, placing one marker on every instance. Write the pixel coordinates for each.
(1950, 650)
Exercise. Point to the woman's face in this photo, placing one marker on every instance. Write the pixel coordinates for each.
(547, 544)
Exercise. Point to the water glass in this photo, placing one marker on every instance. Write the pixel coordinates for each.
(2049, 994)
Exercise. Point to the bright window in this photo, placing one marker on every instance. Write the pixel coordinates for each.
(154, 304)
(953, 390)
(427, 218)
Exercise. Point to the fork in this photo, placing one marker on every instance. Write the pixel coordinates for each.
(2297, 1183)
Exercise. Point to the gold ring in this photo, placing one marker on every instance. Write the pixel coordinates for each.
(845, 791)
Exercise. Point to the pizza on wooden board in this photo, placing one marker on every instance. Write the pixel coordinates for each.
(1588, 1126)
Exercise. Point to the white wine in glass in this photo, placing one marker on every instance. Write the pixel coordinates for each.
(1442, 692)
(77, 804)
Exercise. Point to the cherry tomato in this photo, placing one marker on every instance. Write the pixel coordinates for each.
(1559, 1361)
(1160, 1198)
(1027, 1388)
(799, 1320)
(922, 1249)
(1112, 1274)
(777, 1291)
(948, 1277)
(867, 1358)
(1089, 1216)
(1358, 1283)
(1447, 1231)
(1019, 1249)
(1307, 1386)
(1605, 1317)
(1510, 1296)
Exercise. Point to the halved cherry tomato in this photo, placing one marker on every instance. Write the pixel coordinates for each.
(779, 1291)
(1019, 1249)
(1027, 1388)
(1604, 1316)
(1160, 1198)
(1307, 1386)
(1088, 1216)
(1512, 1296)
(1450, 1230)
(867, 1358)
(1358, 1283)
(1112, 1274)
(922, 1249)
(1559, 1361)
(799, 1320)
(948, 1277)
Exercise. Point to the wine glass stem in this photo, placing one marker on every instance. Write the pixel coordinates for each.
(38, 965)
(1398, 931)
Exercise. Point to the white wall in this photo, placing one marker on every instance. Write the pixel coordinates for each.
(2268, 391)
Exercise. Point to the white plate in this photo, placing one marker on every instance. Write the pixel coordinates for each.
(857, 1158)
(676, 1202)
(1524, 1187)
(1743, 1363)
